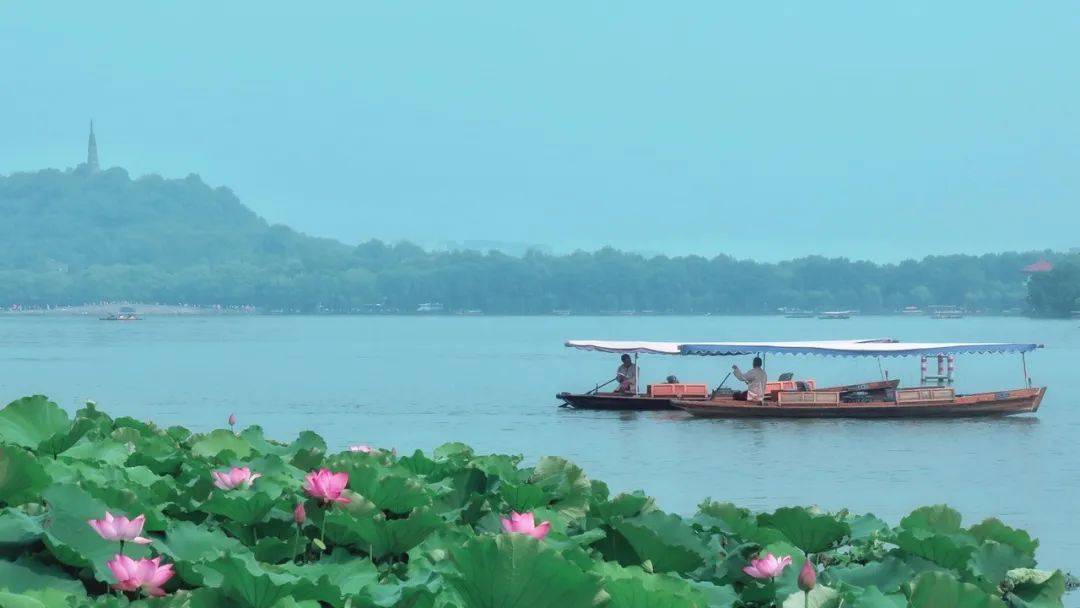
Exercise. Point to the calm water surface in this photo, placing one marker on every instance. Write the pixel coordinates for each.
(490, 382)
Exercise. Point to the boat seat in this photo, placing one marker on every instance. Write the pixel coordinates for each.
(808, 397)
(678, 390)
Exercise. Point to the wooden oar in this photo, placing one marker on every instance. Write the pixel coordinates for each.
(720, 386)
(594, 391)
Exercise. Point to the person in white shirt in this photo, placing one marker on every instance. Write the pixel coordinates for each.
(755, 380)
(627, 376)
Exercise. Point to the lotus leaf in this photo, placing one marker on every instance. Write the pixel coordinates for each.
(871, 597)
(938, 518)
(993, 529)
(819, 597)
(1035, 588)
(32, 420)
(214, 444)
(993, 560)
(22, 478)
(811, 532)
(660, 538)
(942, 590)
(516, 571)
(886, 575)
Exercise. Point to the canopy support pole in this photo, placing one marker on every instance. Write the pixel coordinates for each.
(1023, 362)
(637, 375)
(881, 369)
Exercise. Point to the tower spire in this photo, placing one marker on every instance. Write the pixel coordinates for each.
(91, 150)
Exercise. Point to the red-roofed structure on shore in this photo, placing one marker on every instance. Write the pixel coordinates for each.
(1040, 266)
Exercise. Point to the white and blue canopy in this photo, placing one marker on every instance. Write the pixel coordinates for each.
(882, 347)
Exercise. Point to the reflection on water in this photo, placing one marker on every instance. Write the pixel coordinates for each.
(419, 382)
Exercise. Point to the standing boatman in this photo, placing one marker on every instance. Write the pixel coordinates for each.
(755, 380)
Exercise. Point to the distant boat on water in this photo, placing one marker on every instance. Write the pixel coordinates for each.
(912, 311)
(946, 312)
(835, 314)
(801, 314)
(126, 313)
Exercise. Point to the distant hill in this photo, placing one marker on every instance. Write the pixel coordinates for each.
(76, 219)
(78, 236)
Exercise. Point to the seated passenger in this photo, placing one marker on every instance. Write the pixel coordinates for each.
(672, 379)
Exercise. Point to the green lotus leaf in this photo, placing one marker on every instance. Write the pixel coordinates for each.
(245, 506)
(378, 536)
(214, 443)
(811, 532)
(393, 493)
(349, 574)
(866, 527)
(940, 519)
(1035, 588)
(993, 560)
(273, 550)
(565, 484)
(17, 528)
(517, 571)
(726, 518)
(159, 453)
(246, 583)
(22, 477)
(665, 540)
(993, 529)
(871, 597)
(942, 590)
(460, 496)
(30, 575)
(522, 497)
(886, 575)
(632, 587)
(948, 551)
(623, 505)
(109, 451)
(820, 597)
(38, 598)
(502, 466)
(188, 544)
(71, 540)
(453, 451)
(29, 421)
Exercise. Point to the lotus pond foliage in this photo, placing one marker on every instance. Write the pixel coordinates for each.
(107, 512)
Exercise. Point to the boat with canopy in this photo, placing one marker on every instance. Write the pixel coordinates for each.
(887, 401)
(662, 396)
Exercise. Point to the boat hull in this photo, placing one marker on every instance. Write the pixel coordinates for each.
(644, 403)
(1000, 403)
(613, 402)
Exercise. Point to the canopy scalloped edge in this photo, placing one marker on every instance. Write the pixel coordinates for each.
(882, 347)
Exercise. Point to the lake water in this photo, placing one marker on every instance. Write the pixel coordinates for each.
(416, 382)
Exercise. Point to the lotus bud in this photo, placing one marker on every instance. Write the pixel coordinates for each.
(807, 576)
(232, 420)
(299, 514)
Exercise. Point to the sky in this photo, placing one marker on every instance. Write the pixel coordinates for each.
(766, 130)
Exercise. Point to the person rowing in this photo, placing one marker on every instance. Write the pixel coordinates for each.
(627, 376)
(755, 380)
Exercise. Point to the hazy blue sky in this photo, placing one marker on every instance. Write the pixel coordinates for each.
(866, 129)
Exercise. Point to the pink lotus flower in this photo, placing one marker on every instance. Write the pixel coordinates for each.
(523, 523)
(769, 566)
(807, 576)
(238, 476)
(299, 514)
(120, 528)
(146, 574)
(326, 485)
(363, 447)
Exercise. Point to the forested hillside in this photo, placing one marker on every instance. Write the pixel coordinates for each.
(71, 237)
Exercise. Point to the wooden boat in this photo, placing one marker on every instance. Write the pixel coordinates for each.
(835, 314)
(646, 402)
(882, 399)
(938, 402)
